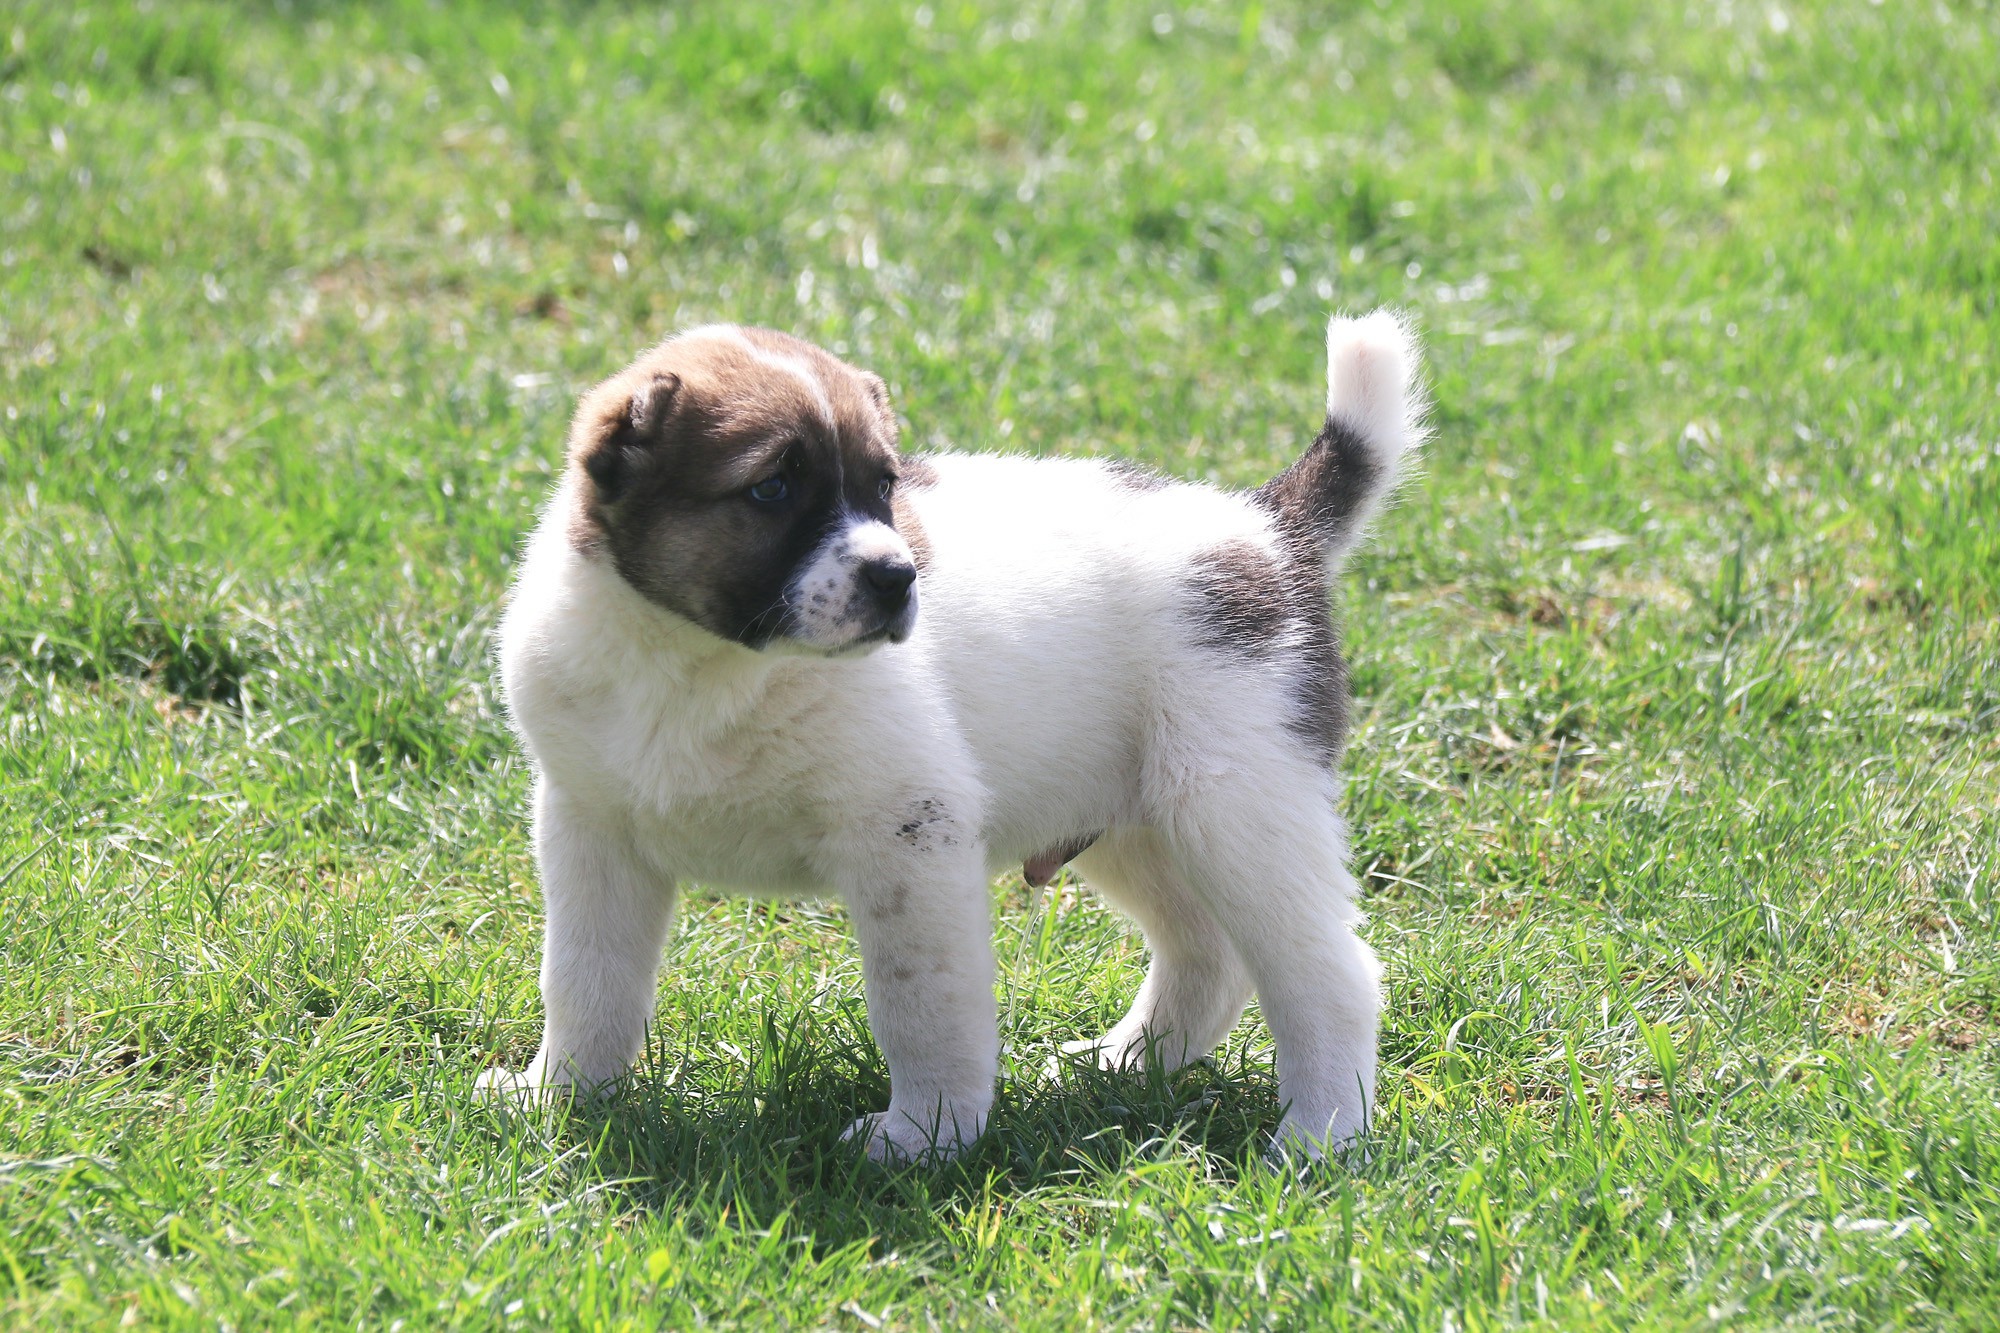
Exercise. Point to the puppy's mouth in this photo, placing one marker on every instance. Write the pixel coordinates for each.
(868, 640)
(892, 631)
(791, 634)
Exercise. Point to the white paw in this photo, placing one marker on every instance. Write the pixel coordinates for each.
(895, 1139)
(1107, 1052)
(523, 1089)
(1295, 1146)
(502, 1085)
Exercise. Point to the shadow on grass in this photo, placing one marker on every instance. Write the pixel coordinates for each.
(692, 1131)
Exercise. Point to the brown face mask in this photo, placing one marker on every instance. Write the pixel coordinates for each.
(712, 469)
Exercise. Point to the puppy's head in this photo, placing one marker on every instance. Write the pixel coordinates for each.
(745, 481)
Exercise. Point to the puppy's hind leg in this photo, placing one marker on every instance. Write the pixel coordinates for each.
(1273, 876)
(1196, 986)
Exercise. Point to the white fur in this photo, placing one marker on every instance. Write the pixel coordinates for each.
(1373, 389)
(1049, 689)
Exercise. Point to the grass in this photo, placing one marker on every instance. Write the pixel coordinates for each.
(1677, 785)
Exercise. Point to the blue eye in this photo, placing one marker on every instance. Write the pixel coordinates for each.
(888, 485)
(770, 490)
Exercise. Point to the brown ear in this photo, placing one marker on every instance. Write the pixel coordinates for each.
(878, 394)
(616, 444)
(652, 401)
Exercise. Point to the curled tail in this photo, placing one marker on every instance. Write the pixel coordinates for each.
(1375, 409)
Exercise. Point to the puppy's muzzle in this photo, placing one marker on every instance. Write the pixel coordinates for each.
(888, 583)
(859, 589)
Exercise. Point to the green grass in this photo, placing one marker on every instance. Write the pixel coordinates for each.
(1677, 784)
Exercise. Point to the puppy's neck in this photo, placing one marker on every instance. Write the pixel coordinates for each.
(671, 645)
(613, 639)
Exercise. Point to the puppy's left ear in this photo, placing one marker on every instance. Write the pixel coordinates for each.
(878, 394)
(616, 433)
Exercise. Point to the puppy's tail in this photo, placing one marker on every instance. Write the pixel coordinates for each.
(1375, 406)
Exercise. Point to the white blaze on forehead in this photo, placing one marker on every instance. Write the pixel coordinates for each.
(870, 539)
(791, 365)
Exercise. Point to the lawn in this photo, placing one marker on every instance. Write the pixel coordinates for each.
(1676, 778)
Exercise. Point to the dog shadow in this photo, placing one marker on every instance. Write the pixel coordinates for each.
(693, 1125)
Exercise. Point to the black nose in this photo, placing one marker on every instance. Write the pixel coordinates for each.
(890, 581)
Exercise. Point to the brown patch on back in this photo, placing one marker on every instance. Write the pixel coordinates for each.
(1271, 606)
(1245, 604)
(1131, 476)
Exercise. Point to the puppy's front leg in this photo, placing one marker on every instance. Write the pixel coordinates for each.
(607, 923)
(925, 931)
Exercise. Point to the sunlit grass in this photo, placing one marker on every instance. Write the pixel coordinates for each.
(1679, 758)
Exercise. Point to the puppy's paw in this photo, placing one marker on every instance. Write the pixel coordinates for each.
(1296, 1151)
(894, 1139)
(1106, 1052)
(504, 1086)
(527, 1088)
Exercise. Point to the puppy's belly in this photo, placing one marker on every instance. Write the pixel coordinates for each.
(1057, 765)
(1036, 816)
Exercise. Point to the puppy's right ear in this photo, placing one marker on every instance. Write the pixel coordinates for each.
(615, 437)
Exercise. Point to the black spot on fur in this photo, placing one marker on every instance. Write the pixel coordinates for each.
(1132, 477)
(1321, 495)
(928, 827)
(1267, 606)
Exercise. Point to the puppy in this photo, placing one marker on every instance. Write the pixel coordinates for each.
(754, 646)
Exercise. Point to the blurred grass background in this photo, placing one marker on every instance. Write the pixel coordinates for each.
(1676, 785)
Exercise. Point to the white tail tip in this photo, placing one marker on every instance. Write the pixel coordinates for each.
(1371, 380)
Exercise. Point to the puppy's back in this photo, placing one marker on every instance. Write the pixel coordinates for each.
(1054, 601)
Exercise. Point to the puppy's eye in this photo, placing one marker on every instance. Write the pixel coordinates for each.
(886, 485)
(770, 490)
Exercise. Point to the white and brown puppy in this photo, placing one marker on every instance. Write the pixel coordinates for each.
(753, 646)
